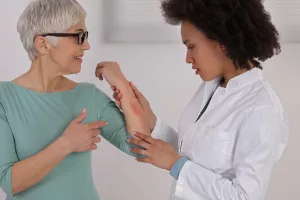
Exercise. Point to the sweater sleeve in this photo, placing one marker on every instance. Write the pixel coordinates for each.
(8, 154)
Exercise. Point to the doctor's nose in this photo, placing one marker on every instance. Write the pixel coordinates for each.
(189, 58)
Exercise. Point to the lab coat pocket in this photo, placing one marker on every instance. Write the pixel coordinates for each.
(214, 150)
(220, 141)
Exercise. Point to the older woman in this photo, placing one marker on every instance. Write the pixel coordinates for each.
(234, 129)
(45, 148)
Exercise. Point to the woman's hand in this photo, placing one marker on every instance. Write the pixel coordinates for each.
(82, 137)
(157, 152)
(111, 71)
(142, 100)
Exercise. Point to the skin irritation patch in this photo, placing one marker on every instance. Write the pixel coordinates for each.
(135, 109)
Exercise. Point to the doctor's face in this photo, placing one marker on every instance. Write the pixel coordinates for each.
(205, 55)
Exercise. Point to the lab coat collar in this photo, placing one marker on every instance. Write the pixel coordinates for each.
(242, 80)
(245, 79)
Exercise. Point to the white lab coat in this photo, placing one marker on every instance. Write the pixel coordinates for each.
(235, 144)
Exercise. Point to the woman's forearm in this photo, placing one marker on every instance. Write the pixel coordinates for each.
(136, 119)
(29, 172)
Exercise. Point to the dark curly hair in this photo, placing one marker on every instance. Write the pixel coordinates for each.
(244, 27)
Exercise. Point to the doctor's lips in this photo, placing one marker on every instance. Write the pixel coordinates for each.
(197, 70)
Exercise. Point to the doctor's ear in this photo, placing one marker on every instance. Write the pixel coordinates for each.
(224, 49)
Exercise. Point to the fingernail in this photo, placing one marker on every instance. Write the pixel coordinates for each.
(134, 133)
(84, 110)
(105, 123)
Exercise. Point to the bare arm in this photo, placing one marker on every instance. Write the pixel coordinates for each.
(136, 118)
(151, 117)
(159, 129)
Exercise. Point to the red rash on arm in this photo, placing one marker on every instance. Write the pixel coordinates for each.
(136, 120)
(135, 109)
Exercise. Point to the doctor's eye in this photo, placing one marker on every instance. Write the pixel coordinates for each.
(190, 47)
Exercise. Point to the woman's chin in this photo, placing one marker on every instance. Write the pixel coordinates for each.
(73, 72)
(76, 70)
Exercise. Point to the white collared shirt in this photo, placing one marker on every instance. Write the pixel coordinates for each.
(233, 147)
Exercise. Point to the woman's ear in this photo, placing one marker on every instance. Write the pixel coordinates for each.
(42, 45)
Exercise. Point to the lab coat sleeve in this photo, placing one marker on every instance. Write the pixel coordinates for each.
(260, 143)
(166, 133)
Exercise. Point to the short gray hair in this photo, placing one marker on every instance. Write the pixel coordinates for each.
(47, 16)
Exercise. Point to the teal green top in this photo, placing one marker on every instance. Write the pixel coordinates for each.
(30, 121)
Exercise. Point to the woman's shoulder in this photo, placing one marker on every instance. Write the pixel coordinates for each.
(5, 88)
(94, 91)
(4, 84)
(91, 87)
(86, 86)
(5, 91)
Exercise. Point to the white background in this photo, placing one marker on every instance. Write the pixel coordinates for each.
(160, 72)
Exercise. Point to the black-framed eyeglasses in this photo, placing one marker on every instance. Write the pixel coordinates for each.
(81, 36)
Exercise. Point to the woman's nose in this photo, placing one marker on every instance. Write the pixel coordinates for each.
(86, 45)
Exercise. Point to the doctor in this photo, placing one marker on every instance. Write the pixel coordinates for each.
(234, 129)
